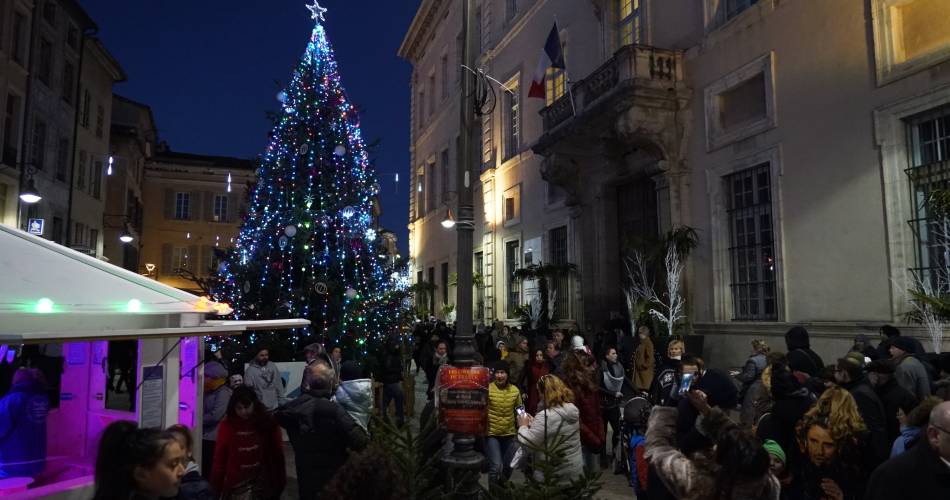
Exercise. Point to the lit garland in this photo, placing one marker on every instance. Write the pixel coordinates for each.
(306, 245)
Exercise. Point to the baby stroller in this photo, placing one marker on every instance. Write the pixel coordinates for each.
(636, 413)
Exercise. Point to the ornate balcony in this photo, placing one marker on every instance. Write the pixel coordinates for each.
(635, 75)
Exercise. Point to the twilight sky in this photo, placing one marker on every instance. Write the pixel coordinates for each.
(208, 69)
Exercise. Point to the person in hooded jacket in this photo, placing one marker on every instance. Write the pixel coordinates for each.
(894, 397)
(217, 396)
(800, 356)
(355, 393)
(790, 401)
(23, 412)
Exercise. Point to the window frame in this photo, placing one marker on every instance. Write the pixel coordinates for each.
(511, 119)
(182, 205)
(513, 288)
(716, 136)
(887, 64)
(561, 283)
(44, 62)
(634, 20)
(19, 49)
(513, 193)
(219, 208)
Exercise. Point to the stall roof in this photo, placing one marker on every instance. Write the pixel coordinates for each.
(51, 293)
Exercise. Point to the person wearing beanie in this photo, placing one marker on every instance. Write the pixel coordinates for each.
(890, 333)
(778, 464)
(849, 374)
(908, 370)
(217, 394)
(503, 398)
(892, 395)
(355, 393)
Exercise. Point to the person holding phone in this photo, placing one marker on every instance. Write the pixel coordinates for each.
(504, 399)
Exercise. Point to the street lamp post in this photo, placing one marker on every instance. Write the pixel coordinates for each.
(464, 462)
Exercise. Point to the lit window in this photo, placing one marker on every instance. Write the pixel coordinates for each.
(628, 21)
(512, 119)
(752, 245)
(910, 35)
(512, 206)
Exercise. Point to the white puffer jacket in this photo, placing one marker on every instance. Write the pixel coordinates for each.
(356, 397)
(554, 423)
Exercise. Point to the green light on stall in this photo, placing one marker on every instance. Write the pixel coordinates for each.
(134, 306)
(44, 306)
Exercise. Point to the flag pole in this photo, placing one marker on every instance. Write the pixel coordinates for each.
(567, 79)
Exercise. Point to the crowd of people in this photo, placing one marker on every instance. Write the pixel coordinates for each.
(874, 424)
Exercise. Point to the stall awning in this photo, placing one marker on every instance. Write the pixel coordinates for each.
(50, 293)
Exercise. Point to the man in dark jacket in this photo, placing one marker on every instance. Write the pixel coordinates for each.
(321, 432)
(849, 374)
(922, 472)
(890, 333)
(800, 356)
(391, 377)
(892, 395)
(23, 413)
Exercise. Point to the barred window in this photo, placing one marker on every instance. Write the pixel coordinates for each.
(752, 246)
(560, 284)
(512, 263)
(480, 290)
(930, 174)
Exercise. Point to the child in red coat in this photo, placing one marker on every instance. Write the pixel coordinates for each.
(248, 454)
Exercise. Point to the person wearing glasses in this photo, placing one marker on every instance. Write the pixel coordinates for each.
(921, 472)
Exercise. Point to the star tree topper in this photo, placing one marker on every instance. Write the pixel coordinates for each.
(316, 11)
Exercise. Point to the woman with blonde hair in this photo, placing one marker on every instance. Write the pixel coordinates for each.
(554, 433)
(833, 439)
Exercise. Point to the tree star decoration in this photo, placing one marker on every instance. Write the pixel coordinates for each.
(317, 12)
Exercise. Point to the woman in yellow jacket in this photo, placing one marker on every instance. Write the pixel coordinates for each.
(503, 398)
(643, 361)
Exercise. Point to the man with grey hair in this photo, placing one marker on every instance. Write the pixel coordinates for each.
(921, 472)
(321, 432)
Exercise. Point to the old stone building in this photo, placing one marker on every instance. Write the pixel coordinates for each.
(801, 139)
(193, 205)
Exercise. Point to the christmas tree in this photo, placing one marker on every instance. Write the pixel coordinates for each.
(306, 247)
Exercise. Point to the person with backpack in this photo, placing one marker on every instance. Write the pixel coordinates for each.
(909, 371)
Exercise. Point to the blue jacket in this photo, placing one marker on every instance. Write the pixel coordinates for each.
(23, 414)
(909, 436)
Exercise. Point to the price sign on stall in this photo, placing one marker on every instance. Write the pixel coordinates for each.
(463, 399)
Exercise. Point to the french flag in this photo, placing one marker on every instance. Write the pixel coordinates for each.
(551, 57)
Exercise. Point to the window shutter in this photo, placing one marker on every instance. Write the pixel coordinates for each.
(209, 206)
(195, 206)
(193, 259)
(207, 254)
(233, 209)
(166, 259)
(169, 204)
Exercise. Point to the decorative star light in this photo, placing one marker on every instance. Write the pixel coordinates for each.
(317, 11)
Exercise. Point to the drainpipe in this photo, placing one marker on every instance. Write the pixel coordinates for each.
(77, 105)
(26, 108)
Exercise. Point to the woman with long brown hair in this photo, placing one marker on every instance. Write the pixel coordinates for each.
(537, 366)
(579, 372)
(248, 457)
(554, 434)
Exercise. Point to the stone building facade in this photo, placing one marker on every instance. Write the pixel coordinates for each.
(193, 205)
(801, 139)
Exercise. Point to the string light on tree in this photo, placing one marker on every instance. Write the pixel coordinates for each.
(306, 247)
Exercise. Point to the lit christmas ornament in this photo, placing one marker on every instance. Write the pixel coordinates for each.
(348, 212)
(290, 230)
(229, 182)
(370, 234)
(375, 188)
(290, 110)
(350, 293)
(321, 288)
(282, 242)
(282, 96)
(339, 150)
(304, 148)
(308, 200)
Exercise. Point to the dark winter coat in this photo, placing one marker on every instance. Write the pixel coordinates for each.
(193, 486)
(322, 434)
(872, 412)
(721, 392)
(592, 422)
(391, 369)
(894, 397)
(23, 413)
(533, 371)
(917, 473)
(661, 393)
(787, 410)
(800, 356)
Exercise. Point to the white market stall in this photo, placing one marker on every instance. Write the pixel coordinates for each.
(73, 307)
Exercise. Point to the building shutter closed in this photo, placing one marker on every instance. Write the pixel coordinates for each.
(197, 207)
(166, 260)
(169, 204)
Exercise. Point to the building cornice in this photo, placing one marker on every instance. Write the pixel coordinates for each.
(108, 61)
(421, 29)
